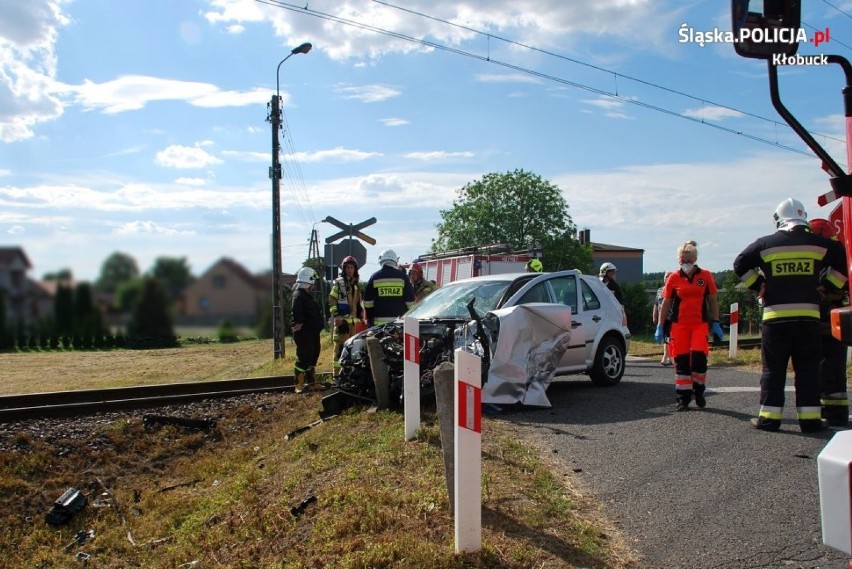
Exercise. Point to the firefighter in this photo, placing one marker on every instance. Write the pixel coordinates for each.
(307, 324)
(607, 276)
(344, 304)
(535, 266)
(686, 292)
(832, 366)
(792, 263)
(388, 294)
(422, 287)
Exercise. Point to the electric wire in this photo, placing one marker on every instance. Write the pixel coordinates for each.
(827, 3)
(602, 92)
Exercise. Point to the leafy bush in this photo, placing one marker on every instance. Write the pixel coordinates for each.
(226, 332)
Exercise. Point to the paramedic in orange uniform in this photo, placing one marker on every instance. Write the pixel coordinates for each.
(691, 294)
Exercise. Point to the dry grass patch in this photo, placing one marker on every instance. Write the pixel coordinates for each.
(224, 499)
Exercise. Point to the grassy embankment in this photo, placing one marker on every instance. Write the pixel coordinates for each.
(182, 498)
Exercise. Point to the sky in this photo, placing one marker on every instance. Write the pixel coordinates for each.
(141, 127)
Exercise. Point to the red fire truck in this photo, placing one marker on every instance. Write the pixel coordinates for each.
(449, 266)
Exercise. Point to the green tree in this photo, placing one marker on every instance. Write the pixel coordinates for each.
(150, 324)
(128, 294)
(87, 317)
(730, 292)
(173, 272)
(60, 275)
(516, 208)
(5, 337)
(115, 270)
(63, 311)
(638, 307)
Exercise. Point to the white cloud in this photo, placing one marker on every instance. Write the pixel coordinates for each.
(191, 181)
(16, 230)
(140, 227)
(185, 157)
(369, 93)
(438, 155)
(712, 113)
(541, 22)
(394, 122)
(133, 92)
(506, 78)
(334, 155)
(28, 32)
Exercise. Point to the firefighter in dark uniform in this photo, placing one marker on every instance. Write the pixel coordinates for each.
(307, 324)
(792, 263)
(832, 366)
(388, 294)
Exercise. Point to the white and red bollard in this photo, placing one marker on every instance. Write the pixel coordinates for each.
(468, 452)
(735, 330)
(411, 377)
(834, 469)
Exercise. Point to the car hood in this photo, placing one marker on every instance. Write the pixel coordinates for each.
(531, 341)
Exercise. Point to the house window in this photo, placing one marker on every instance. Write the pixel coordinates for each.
(204, 303)
(218, 281)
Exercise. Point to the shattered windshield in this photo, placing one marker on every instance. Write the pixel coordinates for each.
(450, 300)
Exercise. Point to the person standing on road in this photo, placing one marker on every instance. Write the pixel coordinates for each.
(307, 324)
(422, 287)
(793, 263)
(607, 276)
(657, 317)
(690, 295)
(832, 366)
(344, 303)
(388, 294)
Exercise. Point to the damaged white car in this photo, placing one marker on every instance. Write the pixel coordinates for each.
(528, 327)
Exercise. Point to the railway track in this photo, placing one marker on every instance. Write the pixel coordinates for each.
(90, 401)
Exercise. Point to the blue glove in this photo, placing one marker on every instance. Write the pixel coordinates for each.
(658, 335)
(716, 330)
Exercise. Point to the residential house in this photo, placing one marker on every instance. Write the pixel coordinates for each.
(26, 300)
(227, 290)
(628, 261)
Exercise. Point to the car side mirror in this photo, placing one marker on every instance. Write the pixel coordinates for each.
(774, 31)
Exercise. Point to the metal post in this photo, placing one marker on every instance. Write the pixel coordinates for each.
(275, 174)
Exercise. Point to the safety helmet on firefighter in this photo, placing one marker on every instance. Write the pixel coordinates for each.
(823, 227)
(605, 268)
(388, 257)
(534, 266)
(306, 275)
(789, 214)
(415, 268)
(350, 260)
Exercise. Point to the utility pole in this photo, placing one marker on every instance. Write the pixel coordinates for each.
(275, 174)
(274, 117)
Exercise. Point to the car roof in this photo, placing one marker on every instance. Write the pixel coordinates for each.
(515, 276)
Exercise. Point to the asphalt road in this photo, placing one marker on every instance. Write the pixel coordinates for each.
(698, 489)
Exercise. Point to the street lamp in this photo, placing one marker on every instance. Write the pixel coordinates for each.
(275, 173)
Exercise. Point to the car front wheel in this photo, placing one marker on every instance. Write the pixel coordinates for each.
(609, 363)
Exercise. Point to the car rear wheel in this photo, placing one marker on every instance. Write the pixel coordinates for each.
(609, 363)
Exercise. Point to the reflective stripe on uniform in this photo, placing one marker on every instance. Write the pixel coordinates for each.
(771, 413)
(792, 310)
(750, 277)
(808, 413)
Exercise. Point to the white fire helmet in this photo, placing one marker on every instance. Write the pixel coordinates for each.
(388, 257)
(306, 275)
(790, 213)
(607, 267)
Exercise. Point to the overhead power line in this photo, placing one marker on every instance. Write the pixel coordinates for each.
(306, 10)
